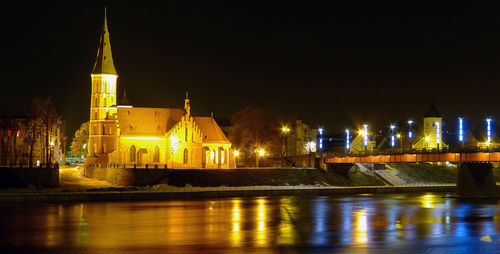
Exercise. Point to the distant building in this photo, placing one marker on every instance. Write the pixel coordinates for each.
(301, 139)
(432, 131)
(21, 136)
(357, 145)
(123, 134)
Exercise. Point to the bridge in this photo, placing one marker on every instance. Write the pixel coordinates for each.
(474, 173)
(415, 157)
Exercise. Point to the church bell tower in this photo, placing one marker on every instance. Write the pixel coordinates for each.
(102, 129)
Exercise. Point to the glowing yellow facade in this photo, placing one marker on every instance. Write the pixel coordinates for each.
(433, 129)
(123, 134)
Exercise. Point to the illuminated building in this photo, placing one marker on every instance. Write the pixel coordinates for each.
(123, 134)
(20, 136)
(363, 141)
(433, 130)
(300, 139)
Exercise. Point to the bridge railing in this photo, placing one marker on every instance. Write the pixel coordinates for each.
(411, 151)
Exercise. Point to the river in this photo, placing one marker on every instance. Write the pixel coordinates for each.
(396, 223)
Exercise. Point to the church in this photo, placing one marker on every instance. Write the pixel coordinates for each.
(120, 133)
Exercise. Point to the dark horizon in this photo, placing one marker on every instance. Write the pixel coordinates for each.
(334, 65)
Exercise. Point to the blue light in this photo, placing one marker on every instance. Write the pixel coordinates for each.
(320, 130)
(365, 138)
(393, 142)
(410, 133)
(438, 134)
(460, 130)
(347, 139)
(488, 130)
(321, 143)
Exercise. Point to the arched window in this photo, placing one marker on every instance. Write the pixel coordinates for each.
(132, 153)
(185, 156)
(156, 157)
(186, 134)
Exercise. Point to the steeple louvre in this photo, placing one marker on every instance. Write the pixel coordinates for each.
(104, 62)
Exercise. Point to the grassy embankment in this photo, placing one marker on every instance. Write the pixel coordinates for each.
(269, 177)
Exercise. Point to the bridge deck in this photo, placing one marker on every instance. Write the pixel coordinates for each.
(417, 157)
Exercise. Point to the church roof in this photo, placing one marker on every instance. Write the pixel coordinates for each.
(124, 100)
(210, 129)
(432, 111)
(148, 121)
(104, 61)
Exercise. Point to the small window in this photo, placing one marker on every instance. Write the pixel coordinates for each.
(186, 155)
(156, 157)
(132, 153)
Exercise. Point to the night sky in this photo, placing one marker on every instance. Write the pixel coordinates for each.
(331, 63)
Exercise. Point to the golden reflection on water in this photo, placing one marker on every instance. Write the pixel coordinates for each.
(261, 222)
(248, 222)
(429, 200)
(286, 229)
(360, 233)
(236, 218)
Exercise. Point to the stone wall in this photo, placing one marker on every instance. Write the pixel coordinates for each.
(129, 176)
(23, 177)
(126, 176)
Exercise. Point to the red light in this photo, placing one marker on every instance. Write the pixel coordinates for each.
(9, 134)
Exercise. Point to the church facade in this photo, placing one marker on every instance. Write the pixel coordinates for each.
(123, 134)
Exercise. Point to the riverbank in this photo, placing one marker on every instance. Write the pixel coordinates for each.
(170, 192)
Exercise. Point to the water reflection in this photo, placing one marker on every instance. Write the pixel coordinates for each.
(354, 223)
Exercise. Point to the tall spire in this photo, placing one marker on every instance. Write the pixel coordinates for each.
(187, 106)
(104, 62)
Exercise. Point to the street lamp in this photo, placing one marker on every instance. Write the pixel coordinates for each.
(284, 132)
(461, 132)
(410, 132)
(365, 137)
(236, 154)
(347, 140)
(488, 131)
(261, 152)
(400, 137)
(438, 134)
(320, 139)
(393, 142)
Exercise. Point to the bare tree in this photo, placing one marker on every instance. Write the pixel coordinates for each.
(81, 140)
(255, 128)
(49, 120)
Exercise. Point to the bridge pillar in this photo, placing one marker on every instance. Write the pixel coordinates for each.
(475, 180)
(341, 168)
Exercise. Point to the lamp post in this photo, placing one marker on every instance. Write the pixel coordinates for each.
(461, 132)
(261, 152)
(284, 132)
(365, 137)
(320, 139)
(410, 132)
(438, 134)
(400, 137)
(393, 142)
(488, 132)
(347, 140)
(236, 154)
